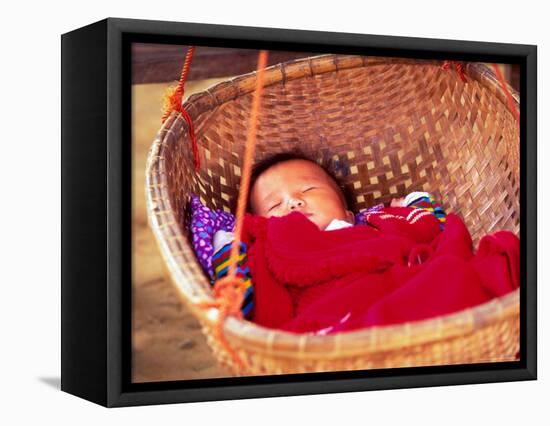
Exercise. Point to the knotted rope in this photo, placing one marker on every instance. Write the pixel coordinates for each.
(173, 101)
(458, 67)
(229, 291)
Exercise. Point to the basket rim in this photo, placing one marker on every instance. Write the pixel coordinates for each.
(225, 91)
(377, 338)
(267, 340)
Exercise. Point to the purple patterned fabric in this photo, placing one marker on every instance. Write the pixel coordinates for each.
(204, 224)
(360, 217)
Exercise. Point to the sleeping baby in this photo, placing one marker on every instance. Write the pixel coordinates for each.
(312, 270)
(287, 183)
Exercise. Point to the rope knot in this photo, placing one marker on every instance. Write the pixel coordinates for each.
(229, 293)
(458, 67)
(173, 99)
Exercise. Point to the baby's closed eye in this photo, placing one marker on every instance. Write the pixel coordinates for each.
(274, 206)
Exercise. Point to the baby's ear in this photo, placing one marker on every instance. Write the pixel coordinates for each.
(350, 217)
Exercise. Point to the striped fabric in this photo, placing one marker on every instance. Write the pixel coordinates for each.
(220, 263)
(427, 202)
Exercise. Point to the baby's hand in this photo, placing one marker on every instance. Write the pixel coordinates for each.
(397, 202)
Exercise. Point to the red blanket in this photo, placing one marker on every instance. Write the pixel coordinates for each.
(400, 268)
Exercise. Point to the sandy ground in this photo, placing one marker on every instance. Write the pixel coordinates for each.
(167, 343)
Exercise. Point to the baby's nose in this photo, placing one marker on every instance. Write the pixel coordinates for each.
(295, 203)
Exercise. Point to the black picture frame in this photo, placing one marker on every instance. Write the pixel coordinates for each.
(96, 230)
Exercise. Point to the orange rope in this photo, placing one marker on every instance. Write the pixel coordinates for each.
(229, 291)
(173, 101)
(247, 162)
(511, 104)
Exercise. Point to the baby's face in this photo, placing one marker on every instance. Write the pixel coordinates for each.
(299, 185)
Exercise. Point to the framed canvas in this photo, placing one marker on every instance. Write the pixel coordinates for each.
(311, 212)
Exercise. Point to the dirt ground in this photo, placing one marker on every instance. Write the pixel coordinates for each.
(167, 342)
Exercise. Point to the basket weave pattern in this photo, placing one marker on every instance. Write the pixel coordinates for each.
(389, 126)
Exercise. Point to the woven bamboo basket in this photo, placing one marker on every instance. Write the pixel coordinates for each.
(393, 126)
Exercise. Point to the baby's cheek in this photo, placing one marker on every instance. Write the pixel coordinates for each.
(275, 214)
